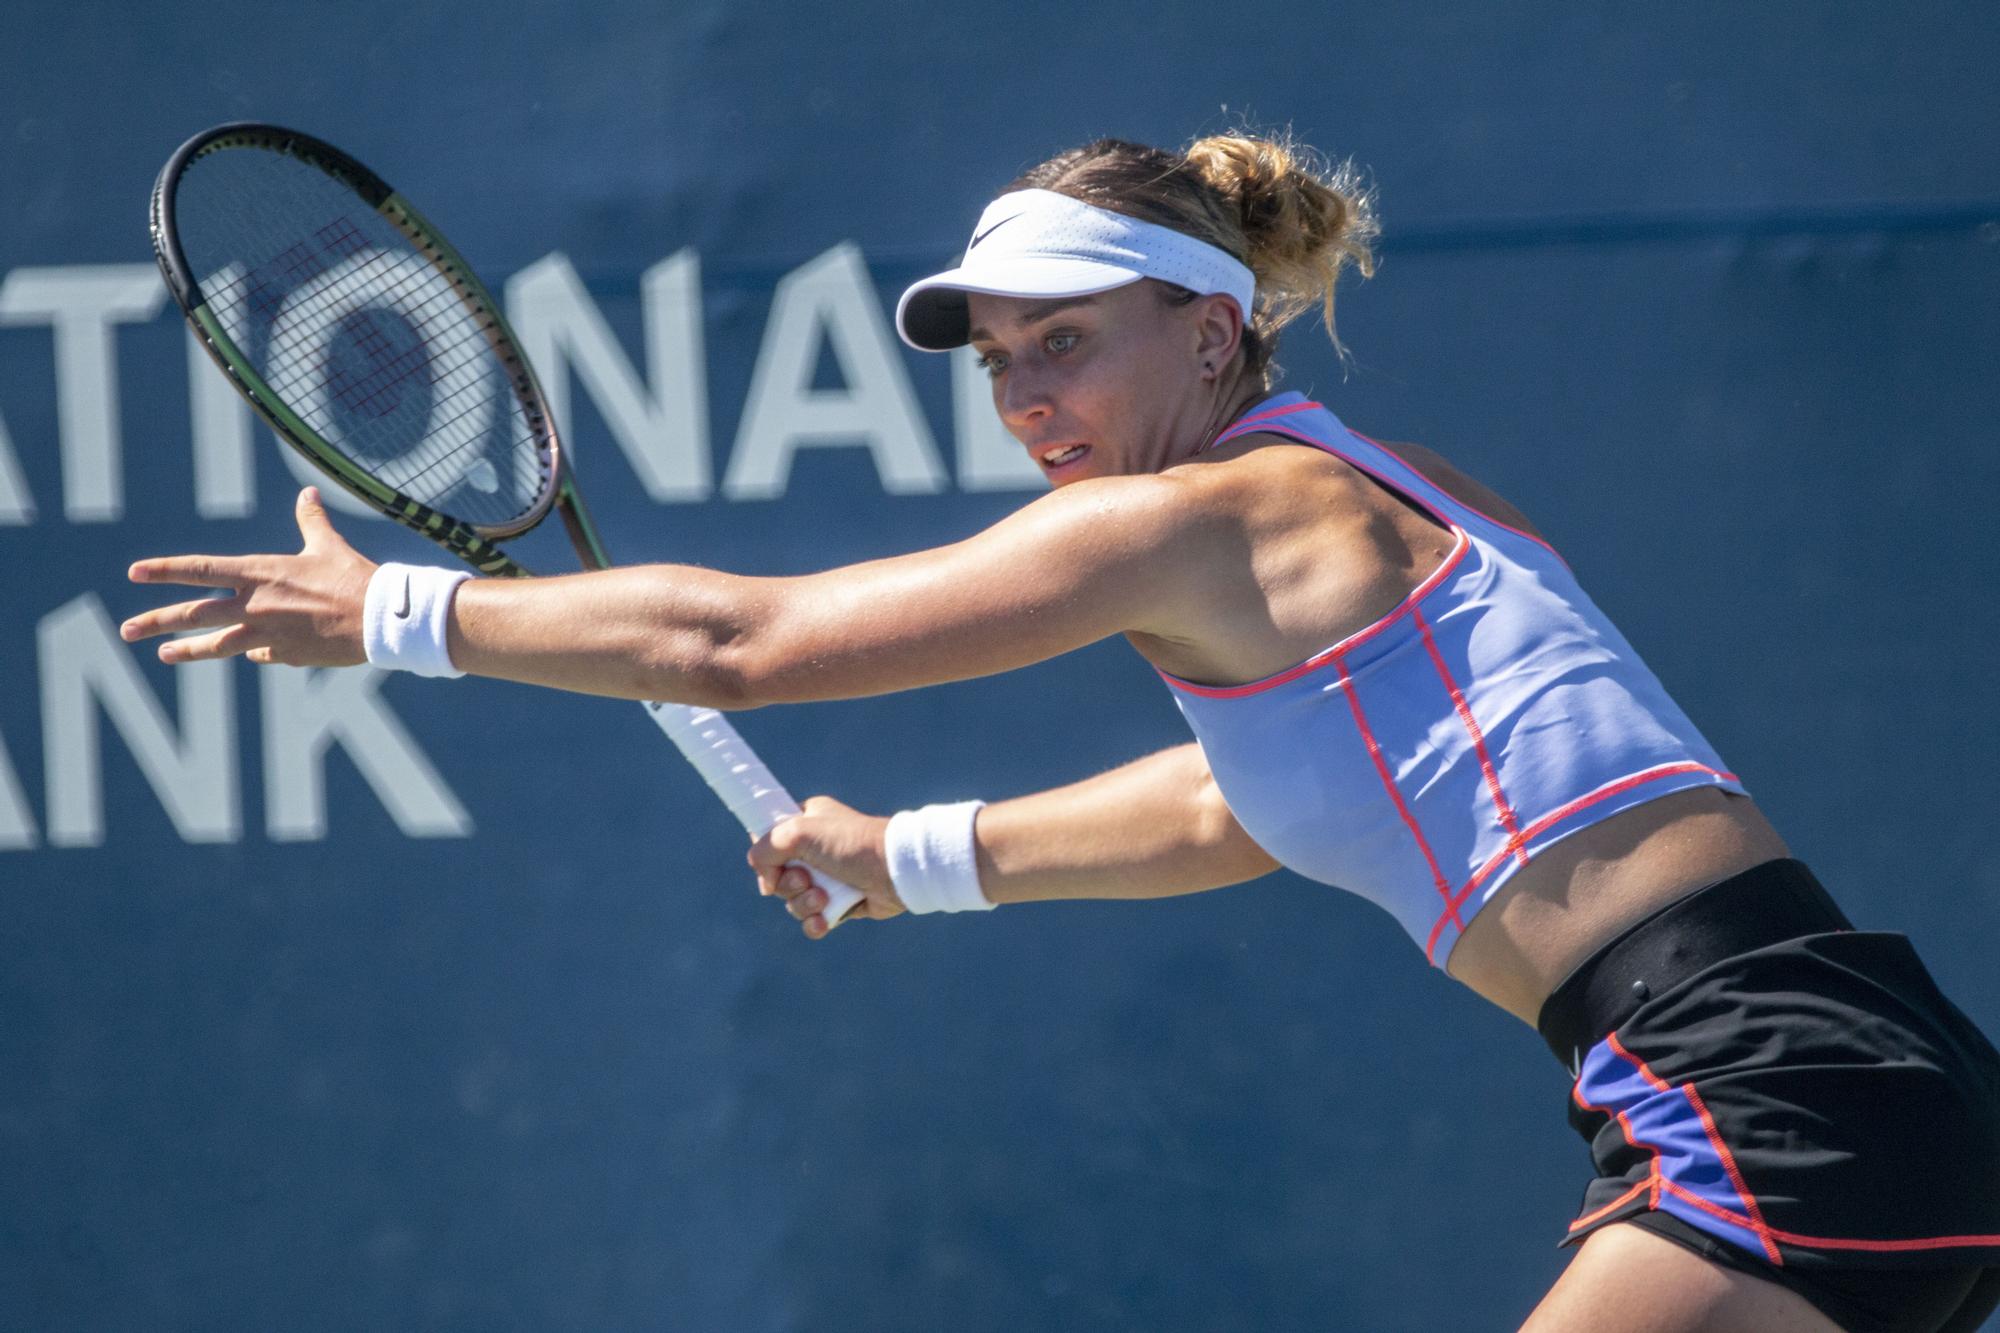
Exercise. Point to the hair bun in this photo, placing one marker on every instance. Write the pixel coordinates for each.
(1303, 219)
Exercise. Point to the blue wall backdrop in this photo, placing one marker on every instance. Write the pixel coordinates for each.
(335, 1002)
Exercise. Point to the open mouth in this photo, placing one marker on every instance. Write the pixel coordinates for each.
(1058, 456)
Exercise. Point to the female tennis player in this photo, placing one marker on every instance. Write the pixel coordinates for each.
(1791, 1128)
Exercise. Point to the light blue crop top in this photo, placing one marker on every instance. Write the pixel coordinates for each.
(1423, 760)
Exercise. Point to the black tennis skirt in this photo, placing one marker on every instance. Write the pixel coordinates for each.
(1791, 1097)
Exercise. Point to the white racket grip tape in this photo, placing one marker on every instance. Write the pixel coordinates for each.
(735, 773)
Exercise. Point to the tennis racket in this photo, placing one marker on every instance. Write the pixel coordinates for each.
(371, 347)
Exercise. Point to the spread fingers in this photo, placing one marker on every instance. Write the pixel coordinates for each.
(204, 613)
(208, 647)
(201, 571)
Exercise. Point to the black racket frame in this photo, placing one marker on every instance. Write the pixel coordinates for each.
(473, 543)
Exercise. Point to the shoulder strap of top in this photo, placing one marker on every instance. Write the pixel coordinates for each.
(1296, 417)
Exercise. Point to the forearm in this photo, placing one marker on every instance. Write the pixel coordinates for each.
(1151, 829)
(683, 634)
(668, 632)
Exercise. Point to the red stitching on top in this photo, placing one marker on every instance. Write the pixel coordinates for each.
(1241, 426)
(1563, 812)
(1507, 819)
(1341, 649)
(1439, 516)
(1522, 532)
(1461, 544)
(1247, 426)
(1244, 426)
(1517, 836)
(1389, 785)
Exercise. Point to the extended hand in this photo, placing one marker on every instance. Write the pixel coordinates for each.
(298, 610)
(843, 842)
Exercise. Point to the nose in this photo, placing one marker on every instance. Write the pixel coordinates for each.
(1022, 398)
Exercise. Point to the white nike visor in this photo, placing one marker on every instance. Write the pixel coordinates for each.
(1037, 243)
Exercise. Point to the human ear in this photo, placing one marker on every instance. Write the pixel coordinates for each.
(1218, 332)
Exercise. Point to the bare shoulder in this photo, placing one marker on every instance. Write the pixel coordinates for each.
(1155, 507)
(1460, 486)
(1253, 470)
(1164, 527)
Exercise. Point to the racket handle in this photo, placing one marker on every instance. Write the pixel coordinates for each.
(735, 773)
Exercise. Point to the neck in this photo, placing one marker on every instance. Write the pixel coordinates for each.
(1234, 393)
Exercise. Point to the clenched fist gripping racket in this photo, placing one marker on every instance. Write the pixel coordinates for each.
(369, 345)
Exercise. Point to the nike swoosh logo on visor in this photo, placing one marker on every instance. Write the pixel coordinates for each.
(990, 230)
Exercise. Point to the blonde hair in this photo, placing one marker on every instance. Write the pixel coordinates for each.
(1291, 217)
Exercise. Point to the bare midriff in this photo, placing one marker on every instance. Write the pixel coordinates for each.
(1578, 895)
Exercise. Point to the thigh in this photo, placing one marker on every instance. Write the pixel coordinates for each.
(1627, 1280)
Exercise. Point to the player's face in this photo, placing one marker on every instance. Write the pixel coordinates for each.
(1096, 386)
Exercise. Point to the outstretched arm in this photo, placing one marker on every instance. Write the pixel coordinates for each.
(1077, 565)
(1153, 828)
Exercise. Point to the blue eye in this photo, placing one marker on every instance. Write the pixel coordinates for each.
(993, 363)
(1067, 341)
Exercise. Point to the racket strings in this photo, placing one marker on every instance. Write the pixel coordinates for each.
(363, 337)
(374, 393)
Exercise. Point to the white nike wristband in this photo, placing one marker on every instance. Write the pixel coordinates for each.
(933, 861)
(404, 619)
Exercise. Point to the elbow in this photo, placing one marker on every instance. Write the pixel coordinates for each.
(754, 671)
(744, 652)
(699, 670)
(711, 646)
(766, 654)
(722, 676)
(747, 670)
(778, 657)
(740, 678)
